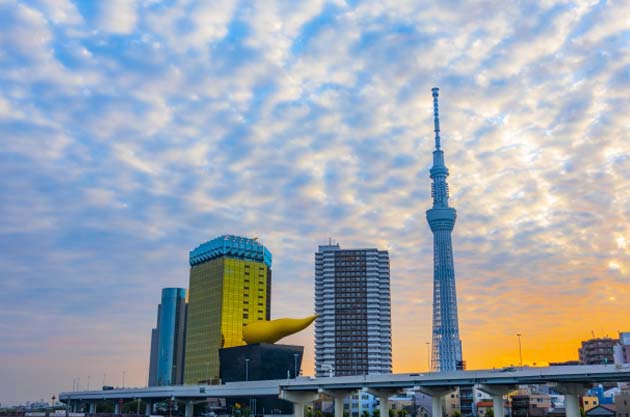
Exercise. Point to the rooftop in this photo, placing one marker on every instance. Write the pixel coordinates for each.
(232, 247)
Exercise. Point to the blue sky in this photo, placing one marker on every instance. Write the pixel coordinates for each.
(132, 131)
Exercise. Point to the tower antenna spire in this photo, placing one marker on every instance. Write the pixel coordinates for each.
(436, 117)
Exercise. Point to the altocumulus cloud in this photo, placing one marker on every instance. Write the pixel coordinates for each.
(131, 131)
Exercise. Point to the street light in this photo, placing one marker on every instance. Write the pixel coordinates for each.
(520, 351)
(246, 369)
(295, 358)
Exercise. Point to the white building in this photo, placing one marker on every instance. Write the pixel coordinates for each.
(352, 299)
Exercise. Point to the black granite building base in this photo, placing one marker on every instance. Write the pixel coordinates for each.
(259, 362)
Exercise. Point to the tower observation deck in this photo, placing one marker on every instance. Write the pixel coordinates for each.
(446, 352)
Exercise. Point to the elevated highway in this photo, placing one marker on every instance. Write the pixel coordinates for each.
(571, 381)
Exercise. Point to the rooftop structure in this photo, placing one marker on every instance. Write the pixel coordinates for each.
(231, 247)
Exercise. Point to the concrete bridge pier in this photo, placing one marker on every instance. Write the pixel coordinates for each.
(571, 391)
(338, 396)
(383, 399)
(436, 394)
(117, 407)
(497, 392)
(92, 407)
(299, 400)
(148, 407)
(189, 410)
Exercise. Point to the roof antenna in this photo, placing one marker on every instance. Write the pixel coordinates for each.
(436, 117)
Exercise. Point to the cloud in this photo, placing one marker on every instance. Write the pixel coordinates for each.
(130, 132)
(117, 16)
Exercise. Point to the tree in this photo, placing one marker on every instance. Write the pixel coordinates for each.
(106, 407)
(490, 413)
(132, 407)
(365, 413)
(377, 413)
(456, 413)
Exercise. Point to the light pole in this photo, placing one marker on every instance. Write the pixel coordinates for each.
(246, 369)
(429, 355)
(88, 387)
(295, 358)
(520, 351)
(123, 382)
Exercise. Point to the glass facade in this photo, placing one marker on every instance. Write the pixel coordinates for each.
(166, 366)
(171, 328)
(227, 291)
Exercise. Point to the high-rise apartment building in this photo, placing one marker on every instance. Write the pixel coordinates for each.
(230, 286)
(168, 339)
(352, 300)
(597, 351)
(446, 353)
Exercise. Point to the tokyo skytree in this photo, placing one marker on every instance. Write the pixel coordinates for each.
(446, 353)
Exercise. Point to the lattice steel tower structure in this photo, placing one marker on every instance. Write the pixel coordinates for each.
(446, 353)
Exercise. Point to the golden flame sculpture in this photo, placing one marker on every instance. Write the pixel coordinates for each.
(274, 330)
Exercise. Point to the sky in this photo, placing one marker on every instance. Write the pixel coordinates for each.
(132, 131)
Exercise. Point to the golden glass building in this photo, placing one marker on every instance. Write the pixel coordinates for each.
(230, 286)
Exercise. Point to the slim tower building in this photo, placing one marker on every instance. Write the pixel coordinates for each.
(352, 300)
(230, 286)
(446, 354)
(168, 338)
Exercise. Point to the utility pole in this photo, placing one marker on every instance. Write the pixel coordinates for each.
(520, 351)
